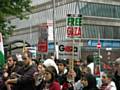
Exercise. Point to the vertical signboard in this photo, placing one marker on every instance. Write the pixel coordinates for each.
(50, 30)
(43, 39)
(73, 23)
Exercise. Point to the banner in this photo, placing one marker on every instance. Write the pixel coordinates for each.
(43, 39)
(2, 59)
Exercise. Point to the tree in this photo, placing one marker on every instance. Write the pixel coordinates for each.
(12, 8)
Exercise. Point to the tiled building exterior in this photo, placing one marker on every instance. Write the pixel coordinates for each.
(99, 17)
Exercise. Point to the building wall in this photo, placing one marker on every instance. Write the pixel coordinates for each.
(99, 16)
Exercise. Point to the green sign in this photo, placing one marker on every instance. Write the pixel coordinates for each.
(73, 25)
(78, 21)
(70, 21)
(74, 20)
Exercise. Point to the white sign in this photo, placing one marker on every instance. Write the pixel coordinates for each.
(68, 49)
(50, 30)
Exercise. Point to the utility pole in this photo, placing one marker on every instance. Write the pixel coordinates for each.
(54, 27)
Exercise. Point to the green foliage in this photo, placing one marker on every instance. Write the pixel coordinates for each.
(12, 8)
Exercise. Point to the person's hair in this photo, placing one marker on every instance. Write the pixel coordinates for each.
(84, 78)
(53, 72)
(90, 59)
(14, 57)
(64, 62)
(109, 74)
(29, 54)
(88, 70)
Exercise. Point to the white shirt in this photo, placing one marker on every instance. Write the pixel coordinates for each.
(111, 86)
(91, 66)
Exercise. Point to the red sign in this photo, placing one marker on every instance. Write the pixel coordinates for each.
(77, 31)
(43, 46)
(73, 31)
(98, 45)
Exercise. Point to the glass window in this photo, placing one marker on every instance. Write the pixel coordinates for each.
(106, 32)
(97, 9)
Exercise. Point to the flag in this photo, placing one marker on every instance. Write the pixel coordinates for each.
(2, 59)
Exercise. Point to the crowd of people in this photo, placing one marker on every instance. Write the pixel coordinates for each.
(54, 74)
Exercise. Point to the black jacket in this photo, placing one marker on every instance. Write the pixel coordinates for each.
(26, 80)
(117, 80)
(9, 71)
(91, 82)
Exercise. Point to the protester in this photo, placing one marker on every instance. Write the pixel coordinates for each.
(9, 68)
(68, 84)
(88, 80)
(51, 62)
(107, 82)
(90, 63)
(62, 71)
(39, 75)
(117, 74)
(88, 83)
(24, 79)
(50, 82)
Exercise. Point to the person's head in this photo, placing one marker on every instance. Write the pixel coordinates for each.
(77, 62)
(104, 78)
(107, 78)
(11, 60)
(27, 57)
(117, 63)
(84, 81)
(50, 74)
(86, 70)
(61, 65)
(90, 59)
(41, 68)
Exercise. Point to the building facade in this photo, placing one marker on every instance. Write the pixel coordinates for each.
(99, 18)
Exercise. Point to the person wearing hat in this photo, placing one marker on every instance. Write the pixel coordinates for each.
(51, 62)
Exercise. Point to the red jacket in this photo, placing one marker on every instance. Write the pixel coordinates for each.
(54, 86)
